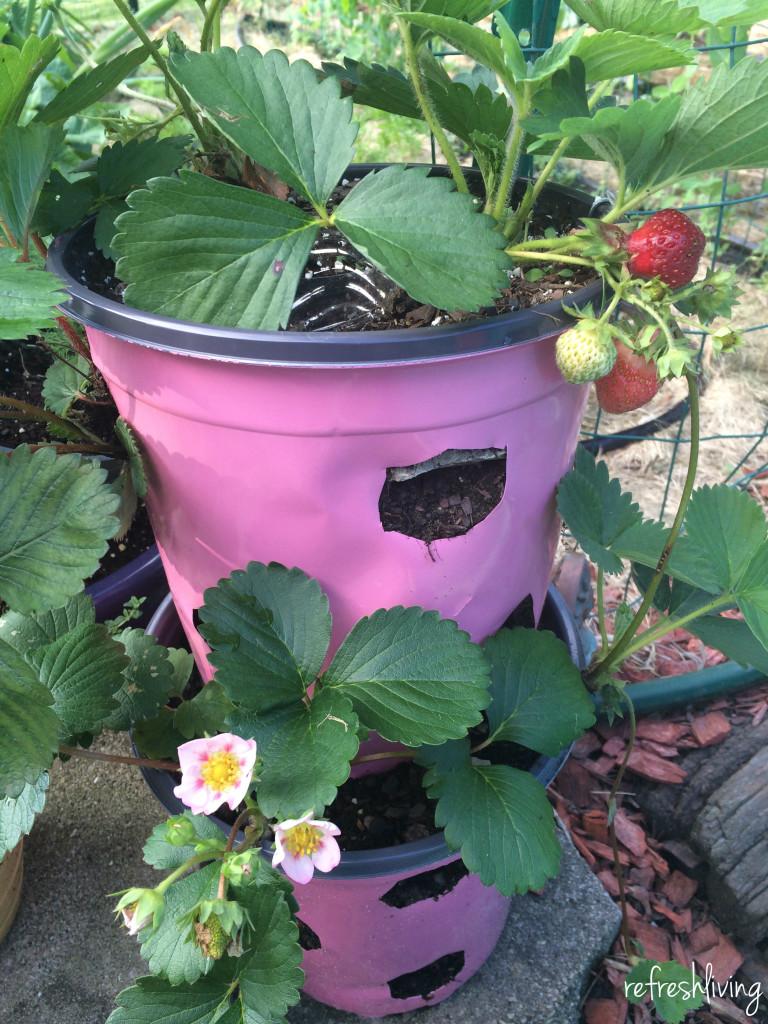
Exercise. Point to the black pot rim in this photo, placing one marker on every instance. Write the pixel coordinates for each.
(407, 857)
(329, 349)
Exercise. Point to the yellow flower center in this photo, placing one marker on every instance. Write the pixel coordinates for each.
(303, 840)
(221, 771)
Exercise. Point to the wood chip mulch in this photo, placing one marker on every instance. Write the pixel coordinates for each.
(667, 907)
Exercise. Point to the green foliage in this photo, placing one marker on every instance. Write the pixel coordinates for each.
(673, 988)
(18, 815)
(55, 519)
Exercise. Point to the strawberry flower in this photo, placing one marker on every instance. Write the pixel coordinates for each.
(303, 844)
(215, 770)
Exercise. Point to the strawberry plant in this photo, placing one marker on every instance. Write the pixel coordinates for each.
(225, 241)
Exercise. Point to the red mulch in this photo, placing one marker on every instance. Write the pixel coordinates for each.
(667, 911)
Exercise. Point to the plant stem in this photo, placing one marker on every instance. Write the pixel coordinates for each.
(618, 652)
(36, 414)
(601, 608)
(551, 257)
(242, 816)
(162, 64)
(667, 625)
(512, 157)
(96, 755)
(426, 106)
(212, 26)
(391, 756)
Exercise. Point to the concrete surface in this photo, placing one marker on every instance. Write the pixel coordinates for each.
(65, 958)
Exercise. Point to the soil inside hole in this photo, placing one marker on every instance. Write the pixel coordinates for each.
(442, 503)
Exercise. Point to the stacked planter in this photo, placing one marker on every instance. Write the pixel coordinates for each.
(274, 446)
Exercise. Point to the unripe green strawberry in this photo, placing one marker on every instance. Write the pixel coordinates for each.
(211, 938)
(584, 353)
(632, 382)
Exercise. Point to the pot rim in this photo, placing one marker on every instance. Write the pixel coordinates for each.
(318, 349)
(407, 857)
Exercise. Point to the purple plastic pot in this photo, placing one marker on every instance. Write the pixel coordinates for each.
(275, 445)
(370, 946)
(143, 576)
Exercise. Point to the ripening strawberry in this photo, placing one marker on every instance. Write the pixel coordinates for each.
(669, 246)
(632, 382)
(583, 354)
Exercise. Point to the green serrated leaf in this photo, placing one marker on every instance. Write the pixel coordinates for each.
(90, 87)
(205, 714)
(203, 250)
(19, 69)
(734, 638)
(538, 697)
(500, 819)
(411, 676)
(17, 816)
(271, 978)
(308, 757)
(63, 381)
(167, 948)
(675, 988)
(418, 230)
(595, 509)
(719, 125)
(28, 296)
(55, 518)
(628, 137)
(62, 203)
(29, 736)
(127, 437)
(83, 670)
(270, 628)
(158, 738)
(147, 680)
(666, 18)
(123, 167)
(26, 156)
(614, 54)
(278, 113)
(752, 593)
(726, 525)
(26, 632)
(477, 43)
(156, 999)
(383, 88)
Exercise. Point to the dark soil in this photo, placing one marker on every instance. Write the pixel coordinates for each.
(444, 502)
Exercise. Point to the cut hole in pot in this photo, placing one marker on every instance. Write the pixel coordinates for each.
(446, 495)
(308, 938)
(427, 980)
(428, 885)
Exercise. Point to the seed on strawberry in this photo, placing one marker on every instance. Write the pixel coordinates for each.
(632, 382)
(583, 354)
(669, 246)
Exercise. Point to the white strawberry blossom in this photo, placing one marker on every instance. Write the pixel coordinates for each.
(303, 844)
(215, 770)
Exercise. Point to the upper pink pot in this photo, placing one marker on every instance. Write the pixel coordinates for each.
(274, 446)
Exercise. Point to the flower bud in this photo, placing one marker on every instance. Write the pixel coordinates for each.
(179, 831)
(139, 907)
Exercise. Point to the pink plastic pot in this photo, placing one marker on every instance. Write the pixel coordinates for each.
(274, 446)
(370, 945)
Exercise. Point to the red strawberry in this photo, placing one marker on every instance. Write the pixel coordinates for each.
(669, 246)
(631, 383)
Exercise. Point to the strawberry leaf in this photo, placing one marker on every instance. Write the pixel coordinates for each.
(418, 230)
(672, 988)
(538, 698)
(278, 113)
(203, 250)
